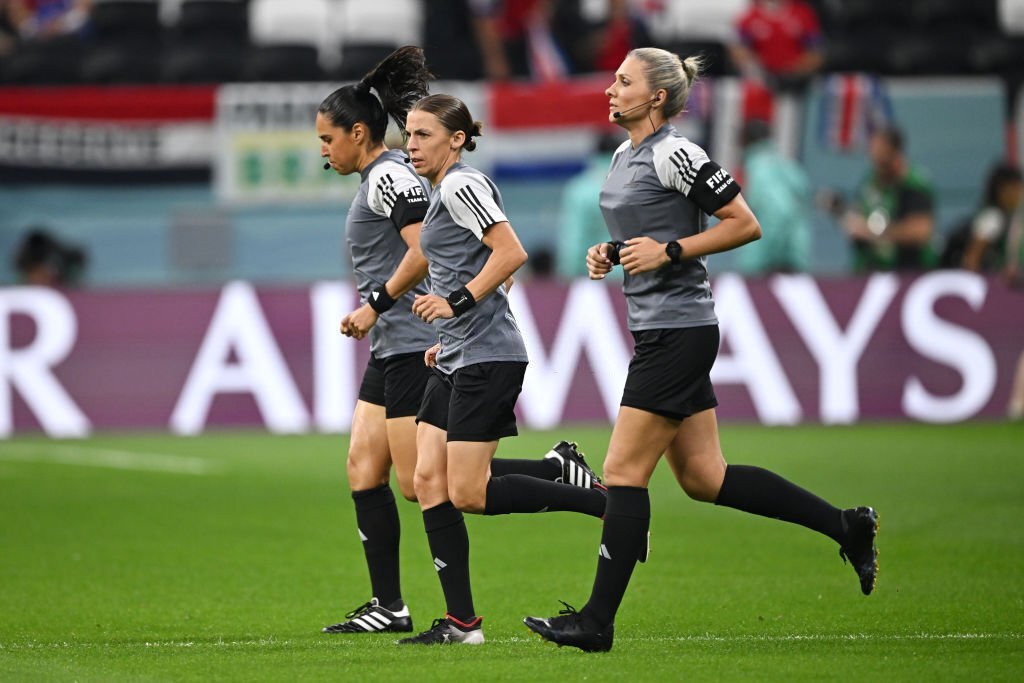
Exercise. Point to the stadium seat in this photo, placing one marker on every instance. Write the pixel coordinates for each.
(362, 33)
(863, 50)
(865, 16)
(126, 21)
(216, 20)
(1011, 17)
(931, 52)
(208, 42)
(290, 40)
(954, 14)
(121, 63)
(53, 62)
(696, 20)
(1002, 55)
(280, 63)
(356, 60)
(203, 63)
(127, 42)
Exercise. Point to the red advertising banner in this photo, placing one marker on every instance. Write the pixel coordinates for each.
(940, 347)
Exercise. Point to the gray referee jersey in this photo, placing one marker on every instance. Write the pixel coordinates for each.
(665, 189)
(462, 206)
(389, 186)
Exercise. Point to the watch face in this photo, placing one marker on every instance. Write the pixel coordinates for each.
(674, 250)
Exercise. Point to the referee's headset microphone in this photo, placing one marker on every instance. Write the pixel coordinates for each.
(618, 114)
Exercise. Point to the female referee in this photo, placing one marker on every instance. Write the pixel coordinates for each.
(656, 200)
(383, 231)
(479, 363)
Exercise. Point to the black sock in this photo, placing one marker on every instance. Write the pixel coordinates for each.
(449, 544)
(765, 493)
(624, 538)
(543, 468)
(377, 517)
(520, 493)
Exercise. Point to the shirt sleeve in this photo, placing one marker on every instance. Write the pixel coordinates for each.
(914, 200)
(397, 195)
(470, 201)
(987, 225)
(684, 167)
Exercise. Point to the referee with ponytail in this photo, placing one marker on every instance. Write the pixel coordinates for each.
(656, 200)
(383, 235)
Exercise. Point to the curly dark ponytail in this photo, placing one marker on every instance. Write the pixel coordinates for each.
(389, 89)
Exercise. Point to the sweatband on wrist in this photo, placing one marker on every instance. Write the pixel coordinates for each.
(613, 251)
(461, 300)
(380, 300)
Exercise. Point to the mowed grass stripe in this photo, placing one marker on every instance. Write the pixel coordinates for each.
(121, 574)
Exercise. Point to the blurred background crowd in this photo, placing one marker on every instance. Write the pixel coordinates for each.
(868, 134)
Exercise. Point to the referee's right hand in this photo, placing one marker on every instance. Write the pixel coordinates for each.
(598, 263)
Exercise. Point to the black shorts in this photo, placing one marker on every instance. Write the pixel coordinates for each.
(476, 402)
(670, 373)
(395, 382)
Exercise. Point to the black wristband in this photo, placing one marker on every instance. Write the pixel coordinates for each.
(380, 300)
(461, 300)
(613, 251)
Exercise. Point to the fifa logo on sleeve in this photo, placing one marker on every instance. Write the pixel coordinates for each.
(416, 195)
(719, 181)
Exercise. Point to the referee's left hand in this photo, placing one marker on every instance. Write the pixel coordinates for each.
(642, 254)
(430, 307)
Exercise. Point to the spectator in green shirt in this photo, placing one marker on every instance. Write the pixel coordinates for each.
(892, 222)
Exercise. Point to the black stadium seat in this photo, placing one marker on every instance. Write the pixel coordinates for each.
(283, 63)
(203, 62)
(53, 62)
(127, 42)
(214, 20)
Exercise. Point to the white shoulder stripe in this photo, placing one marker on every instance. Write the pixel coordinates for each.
(470, 199)
(677, 161)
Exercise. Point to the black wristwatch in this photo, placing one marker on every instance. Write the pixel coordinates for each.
(674, 251)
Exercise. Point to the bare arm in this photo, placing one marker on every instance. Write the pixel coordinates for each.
(973, 254)
(1013, 245)
(915, 228)
(412, 269)
(410, 272)
(507, 256)
(737, 226)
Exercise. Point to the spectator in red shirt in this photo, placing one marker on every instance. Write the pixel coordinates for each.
(779, 43)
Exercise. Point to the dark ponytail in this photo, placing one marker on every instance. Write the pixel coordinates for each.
(399, 80)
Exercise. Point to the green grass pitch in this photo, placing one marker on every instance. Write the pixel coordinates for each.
(149, 557)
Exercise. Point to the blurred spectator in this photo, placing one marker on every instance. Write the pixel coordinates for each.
(43, 260)
(516, 39)
(445, 29)
(46, 19)
(581, 224)
(892, 223)
(779, 193)
(990, 239)
(8, 36)
(779, 42)
(623, 29)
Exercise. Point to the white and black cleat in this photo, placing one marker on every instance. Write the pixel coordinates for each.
(371, 617)
(449, 631)
(575, 470)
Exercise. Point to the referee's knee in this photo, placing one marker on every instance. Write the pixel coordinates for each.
(703, 484)
(467, 498)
